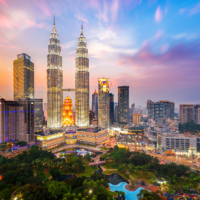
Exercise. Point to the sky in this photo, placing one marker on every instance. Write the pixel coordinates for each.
(153, 46)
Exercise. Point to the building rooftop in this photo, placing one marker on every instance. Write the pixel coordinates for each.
(177, 135)
(90, 130)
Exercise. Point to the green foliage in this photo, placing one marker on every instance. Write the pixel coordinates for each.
(21, 143)
(144, 194)
(190, 126)
(6, 194)
(55, 173)
(58, 189)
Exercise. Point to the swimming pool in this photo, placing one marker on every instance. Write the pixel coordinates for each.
(129, 195)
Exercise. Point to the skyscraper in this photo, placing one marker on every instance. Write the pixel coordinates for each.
(111, 101)
(23, 75)
(103, 112)
(38, 115)
(95, 104)
(82, 83)
(68, 118)
(186, 113)
(16, 120)
(161, 109)
(123, 104)
(197, 114)
(54, 82)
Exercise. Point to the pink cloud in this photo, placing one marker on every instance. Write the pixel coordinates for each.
(81, 18)
(114, 9)
(159, 34)
(158, 15)
(3, 2)
(195, 10)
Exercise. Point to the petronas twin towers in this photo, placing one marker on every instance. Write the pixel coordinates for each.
(55, 83)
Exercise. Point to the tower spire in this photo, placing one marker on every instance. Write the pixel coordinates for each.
(54, 21)
(81, 25)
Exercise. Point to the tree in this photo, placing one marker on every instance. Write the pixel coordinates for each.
(58, 189)
(6, 194)
(55, 173)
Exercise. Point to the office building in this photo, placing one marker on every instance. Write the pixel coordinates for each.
(16, 120)
(123, 104)
(46, 142)
(68, 118)
(38, 115)
(23, 75)
(136, 118)
(95, 104)
(82, 83)
(197, 114)
(91, 116)
(133, 108)
(116, 112)
(186, 113)
(111, 100)
(104, 106)
(54, 82)
(92, 137)
(177, 142)
(161, 109)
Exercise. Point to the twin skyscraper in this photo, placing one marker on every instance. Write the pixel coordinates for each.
(55, 82)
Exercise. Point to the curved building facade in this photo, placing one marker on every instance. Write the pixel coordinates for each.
(82, 83)
(54, 82)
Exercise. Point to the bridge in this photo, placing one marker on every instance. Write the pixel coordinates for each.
(96, 163)
(69, 90)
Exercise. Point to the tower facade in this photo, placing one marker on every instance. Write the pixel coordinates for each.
(186, 113)
(111, 101)
(123, 104)
(23, 75)
(68, 118)
(54, 82)
(82, 83)
(104, 105)
(95, 104)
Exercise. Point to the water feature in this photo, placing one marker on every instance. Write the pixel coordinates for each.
(129, 195)
(66, 176)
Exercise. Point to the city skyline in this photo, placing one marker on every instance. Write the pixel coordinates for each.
(150, 62)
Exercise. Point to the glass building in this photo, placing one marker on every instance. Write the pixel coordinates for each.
(82, 83)
(197, 114)
(38, 115)
(186, 113)
(23, 74)
(111, 101)
(104, 105)
(54, 82)
(161, 109)
(123, 104)
(95, 104)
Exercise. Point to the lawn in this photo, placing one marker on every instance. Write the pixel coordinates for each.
(88, 171)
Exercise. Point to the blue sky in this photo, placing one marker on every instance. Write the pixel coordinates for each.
(152, 46)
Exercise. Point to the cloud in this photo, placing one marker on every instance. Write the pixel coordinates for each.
(195, 10)
(182, 10)
(158, 15)
(3, 2)
(115, 9)
(103, 15)
(159, 34)
(9, 47)
(81, 18)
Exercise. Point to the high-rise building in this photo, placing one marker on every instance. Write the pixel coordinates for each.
(136, 118)
(111, 100)
(82, 83)
(186, 113)
(133, 107)
(38, 115)
(23, 75)
(197, 114)
(16, 120)
(95, 104)
(104, 106)
(123, 104)
(161, 109)
(68, 118)
(54, 82)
